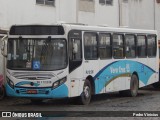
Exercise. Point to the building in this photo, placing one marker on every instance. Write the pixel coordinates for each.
(142, 14)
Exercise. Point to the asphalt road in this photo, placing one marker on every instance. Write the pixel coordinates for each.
(148, 100)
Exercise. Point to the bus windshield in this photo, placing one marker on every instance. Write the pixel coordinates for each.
(37, 54)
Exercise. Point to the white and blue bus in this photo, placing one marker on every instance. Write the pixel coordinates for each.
(68, 60)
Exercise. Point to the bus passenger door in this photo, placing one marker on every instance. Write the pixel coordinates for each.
(75, 62)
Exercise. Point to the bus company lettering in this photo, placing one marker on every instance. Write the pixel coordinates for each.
(120, 69)
(89, 71)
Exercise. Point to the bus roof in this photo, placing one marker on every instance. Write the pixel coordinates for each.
(85, 27)
(110, 29)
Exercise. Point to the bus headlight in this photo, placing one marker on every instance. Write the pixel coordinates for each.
(10, 82)
(59, 82)
(55, 84)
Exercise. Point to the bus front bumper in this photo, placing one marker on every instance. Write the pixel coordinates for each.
(59, 92)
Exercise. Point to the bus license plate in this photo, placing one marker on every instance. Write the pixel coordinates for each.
(32, 91)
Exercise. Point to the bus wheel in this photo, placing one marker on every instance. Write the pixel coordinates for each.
(2, 92)
(36, 101)
(85, 97)
(134, 85)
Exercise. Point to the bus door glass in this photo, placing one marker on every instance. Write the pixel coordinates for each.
(75, 50)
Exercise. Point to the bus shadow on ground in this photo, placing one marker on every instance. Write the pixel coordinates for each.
(151, 88)
(65, 101)
(95, 98)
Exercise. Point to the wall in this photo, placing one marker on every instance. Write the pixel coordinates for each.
(137, 14)
(28, 12)
(107, 14)
(102, 15)
(133, 13)
(141, 14)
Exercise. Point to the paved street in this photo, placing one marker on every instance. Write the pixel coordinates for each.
(147, 100)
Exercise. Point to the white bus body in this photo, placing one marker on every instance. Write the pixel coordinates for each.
(57, 61)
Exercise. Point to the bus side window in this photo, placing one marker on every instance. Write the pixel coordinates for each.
(151, 40)
(130, 48)
(105, 48)
(141, 46)
(118, 46)
(90, 46)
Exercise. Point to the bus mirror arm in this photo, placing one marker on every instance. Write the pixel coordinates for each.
(4, 46)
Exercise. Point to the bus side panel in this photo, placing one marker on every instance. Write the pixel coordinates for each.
(103, 77)
(145, 71)
(91, 68)
(111, 79)
(154, 77)
(120, 72)
(76, 82)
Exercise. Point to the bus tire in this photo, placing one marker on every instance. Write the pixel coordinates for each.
(85, 97)
(134, 85)
(2, 92)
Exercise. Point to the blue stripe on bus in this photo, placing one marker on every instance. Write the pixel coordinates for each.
(118, 68)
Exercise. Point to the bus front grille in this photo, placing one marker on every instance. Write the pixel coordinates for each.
(32, 75)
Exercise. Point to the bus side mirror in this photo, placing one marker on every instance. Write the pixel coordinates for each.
(75, 48)
(4, 46)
